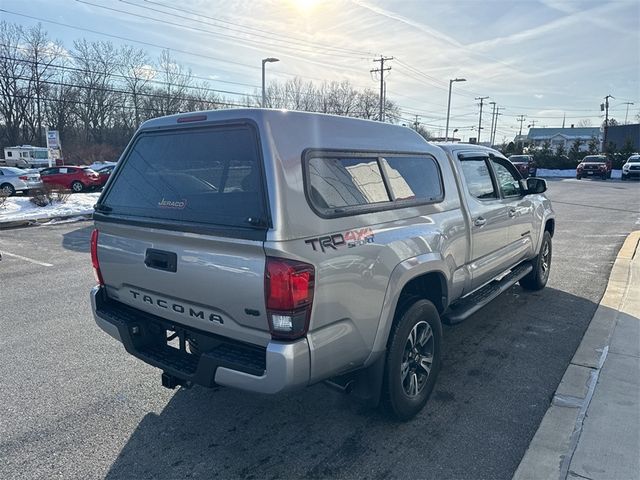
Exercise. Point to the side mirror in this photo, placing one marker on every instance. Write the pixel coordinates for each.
(535, 185)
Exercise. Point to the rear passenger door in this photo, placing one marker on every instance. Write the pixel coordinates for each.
(519, 210)
(489, 220)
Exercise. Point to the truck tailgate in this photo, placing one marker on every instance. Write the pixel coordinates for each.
(209, 283)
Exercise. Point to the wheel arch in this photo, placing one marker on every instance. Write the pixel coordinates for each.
(419, 277)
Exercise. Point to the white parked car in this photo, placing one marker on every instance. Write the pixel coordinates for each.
(631, 169)
(14, 180)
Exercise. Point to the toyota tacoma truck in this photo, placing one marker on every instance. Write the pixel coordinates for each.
(271, 250)
(594, 166)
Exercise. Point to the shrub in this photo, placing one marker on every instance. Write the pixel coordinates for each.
(48, 195)
(3, 199)
(39, 197)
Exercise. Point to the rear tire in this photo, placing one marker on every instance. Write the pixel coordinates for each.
(578, 177)
(537, 278)
(77, 186)
(413, 359)
(7, 189)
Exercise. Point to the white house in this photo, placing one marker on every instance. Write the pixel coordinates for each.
(564, 136)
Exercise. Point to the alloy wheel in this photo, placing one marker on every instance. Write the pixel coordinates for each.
(417, 359)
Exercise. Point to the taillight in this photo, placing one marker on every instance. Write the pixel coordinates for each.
(23, 177)
(289, 296)
(94, 257)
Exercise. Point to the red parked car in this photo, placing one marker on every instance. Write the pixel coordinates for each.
(77, 179)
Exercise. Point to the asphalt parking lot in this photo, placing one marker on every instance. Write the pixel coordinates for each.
(75, 405)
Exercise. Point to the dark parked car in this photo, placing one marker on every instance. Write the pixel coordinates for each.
(525, 165)
(77, 179)
(594, 166)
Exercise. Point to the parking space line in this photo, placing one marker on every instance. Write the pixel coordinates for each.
(26, 259)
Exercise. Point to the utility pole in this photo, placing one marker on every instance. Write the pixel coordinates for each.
(416, 123)
(482, 99)
(605, 106)
(381, 70)
(626, 115)
(532, 124)
(495, 125)
(493, 115)
(520, 119)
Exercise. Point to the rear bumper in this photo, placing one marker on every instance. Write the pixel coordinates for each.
(278, 367)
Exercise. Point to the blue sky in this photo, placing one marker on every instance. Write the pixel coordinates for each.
(540, 58)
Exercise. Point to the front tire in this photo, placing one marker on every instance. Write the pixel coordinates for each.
(413, 359)
(537, 278)
(578, 177)
(77, 187)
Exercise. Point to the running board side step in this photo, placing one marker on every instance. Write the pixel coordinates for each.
(467, 306)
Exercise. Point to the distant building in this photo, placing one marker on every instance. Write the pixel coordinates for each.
(619, 135)
(564, 136)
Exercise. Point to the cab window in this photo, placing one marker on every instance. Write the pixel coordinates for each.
(508, 180)
(478, 177)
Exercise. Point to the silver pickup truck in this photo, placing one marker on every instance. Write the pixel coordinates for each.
(270, 250)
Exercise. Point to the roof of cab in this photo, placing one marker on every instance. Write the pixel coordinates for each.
(457, 147)
(316, 130)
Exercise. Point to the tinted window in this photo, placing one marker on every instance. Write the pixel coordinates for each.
(207, 176)
(346, 182)
(49, 171)
(507, 180)
(478, 178)
(413, 178)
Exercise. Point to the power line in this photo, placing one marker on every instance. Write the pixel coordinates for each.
(232, 37)
(245, 29)
(155, 45)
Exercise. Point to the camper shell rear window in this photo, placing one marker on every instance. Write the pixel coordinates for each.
(211, 176)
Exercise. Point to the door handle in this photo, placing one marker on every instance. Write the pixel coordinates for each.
(512, 212)
(480, 221)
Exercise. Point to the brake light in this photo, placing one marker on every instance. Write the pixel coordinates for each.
(289, 296)
(23, 177)
(94, 257)
(192, 118)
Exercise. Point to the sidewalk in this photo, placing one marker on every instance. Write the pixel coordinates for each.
(592, 427)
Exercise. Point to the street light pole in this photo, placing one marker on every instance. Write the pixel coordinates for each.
(266, 60)
(446, 130)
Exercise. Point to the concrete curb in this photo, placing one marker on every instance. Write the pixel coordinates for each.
(41, 221)
(551, 448)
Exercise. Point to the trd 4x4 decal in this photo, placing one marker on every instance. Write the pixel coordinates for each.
(349, 239)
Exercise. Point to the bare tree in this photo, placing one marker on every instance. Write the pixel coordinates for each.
(176, 82)
(134, 66)
(96, 63)
(13, 70)
(41, 55)
(585, 122)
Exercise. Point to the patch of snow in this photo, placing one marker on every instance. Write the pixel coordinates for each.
(20, 208)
